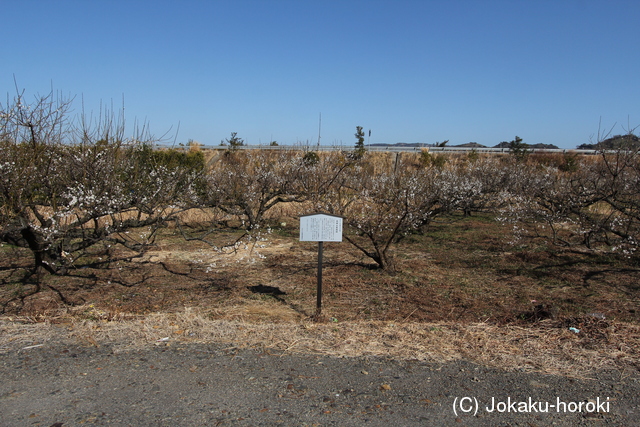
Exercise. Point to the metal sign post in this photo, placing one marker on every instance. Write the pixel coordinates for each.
(319, 287)
(320, 228)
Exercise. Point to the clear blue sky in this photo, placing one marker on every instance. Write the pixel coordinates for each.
(411, 71)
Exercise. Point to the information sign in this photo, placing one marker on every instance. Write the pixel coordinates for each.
(320, 228)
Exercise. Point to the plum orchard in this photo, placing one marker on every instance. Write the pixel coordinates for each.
(66, 188)
(589, 201)
(595, 204)
(380, 206)
(246, 184)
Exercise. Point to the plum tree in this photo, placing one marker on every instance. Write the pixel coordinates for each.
(66, 186)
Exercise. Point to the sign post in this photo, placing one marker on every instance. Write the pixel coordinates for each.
(320, 228)
(319, 287)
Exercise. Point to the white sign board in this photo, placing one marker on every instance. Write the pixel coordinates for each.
(320, 228)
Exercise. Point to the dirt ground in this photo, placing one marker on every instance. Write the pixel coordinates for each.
(462, 290)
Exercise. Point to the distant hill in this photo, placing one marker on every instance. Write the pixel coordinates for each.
(505, 144)
(544, 146)
(614, 143)
(471, 145)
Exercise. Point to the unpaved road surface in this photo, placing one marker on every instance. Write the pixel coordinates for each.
(214, 385)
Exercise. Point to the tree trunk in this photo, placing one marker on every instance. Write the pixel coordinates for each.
(43, 259)
(386, 262)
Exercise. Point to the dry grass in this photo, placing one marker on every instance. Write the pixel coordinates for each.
(547, 347)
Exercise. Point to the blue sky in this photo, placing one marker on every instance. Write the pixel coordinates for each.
(411, 71)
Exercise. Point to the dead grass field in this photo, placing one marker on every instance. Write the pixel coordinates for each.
(462, 292)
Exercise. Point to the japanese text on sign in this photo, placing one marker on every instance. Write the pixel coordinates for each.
(320, 228)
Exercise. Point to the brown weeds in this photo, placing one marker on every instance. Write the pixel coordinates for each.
(548, 347)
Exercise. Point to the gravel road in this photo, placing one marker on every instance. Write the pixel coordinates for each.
(210, 385)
